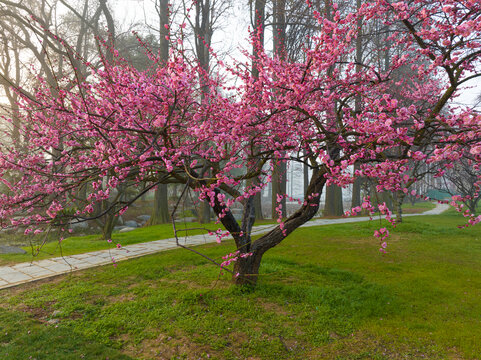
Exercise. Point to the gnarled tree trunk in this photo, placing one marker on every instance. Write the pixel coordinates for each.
(246, 270)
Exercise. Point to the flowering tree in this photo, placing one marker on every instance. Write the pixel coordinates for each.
(142, 129)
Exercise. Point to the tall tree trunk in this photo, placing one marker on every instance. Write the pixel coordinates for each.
(269, 195)
(160, 210)
(160, 207)
(257, 199)
(305, 171)
(398, 201)
(258, 23)
(333, 205)
(279, 184)
(110, 27)
(163, 12)
(356, 186)
(203, 31)
(278, 188)
(356, 189)
(259, 18)
(109, 220)
(108, 226)
(387, 197)
(204, 213)
(258, 206)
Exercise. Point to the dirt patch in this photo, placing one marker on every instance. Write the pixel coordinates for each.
(38, 313)
(126, 297)
(168, 347)
(272, 307)
(76, 315)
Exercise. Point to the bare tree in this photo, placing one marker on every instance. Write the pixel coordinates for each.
(462, 180)
(207, 17)
(160, 209)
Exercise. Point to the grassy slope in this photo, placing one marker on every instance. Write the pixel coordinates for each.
(324, 293)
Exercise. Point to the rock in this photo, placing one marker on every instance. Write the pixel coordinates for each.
(7, 249)
(56, 313)
(143, 218)
(186, 219)
(131, 223)
(126, 229)
(20, 231)
(79, 226)
(53, 321)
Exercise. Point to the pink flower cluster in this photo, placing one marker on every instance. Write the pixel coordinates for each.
(233, 257)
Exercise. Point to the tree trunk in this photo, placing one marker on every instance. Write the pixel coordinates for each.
(246, 270)
(257, 200)
(204, 213)
(398, 200)
(259, 18)
(279, 188)
(387, 198)
(356, 189)
(279, 184)
(333, 205)
(269, 195)
(203, 31)
(258, 206)
(108, 226)
(283, 186)
(110, 27)
(160, 209)
(305, 170)
(163, 12)
(356, 186)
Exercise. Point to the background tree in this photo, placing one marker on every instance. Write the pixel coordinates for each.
(462, 181)
(258, 18)
(207, 16)
(160, 208)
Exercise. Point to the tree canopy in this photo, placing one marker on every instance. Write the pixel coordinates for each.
(175, 123)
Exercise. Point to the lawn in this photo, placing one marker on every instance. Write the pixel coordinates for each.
(417, 207)
(81, 244)
(324, 293)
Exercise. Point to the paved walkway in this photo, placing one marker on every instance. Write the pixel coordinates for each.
(31, 271)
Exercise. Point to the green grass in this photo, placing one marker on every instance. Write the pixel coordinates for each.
(418, 207)
(82, 244)
(324, 293)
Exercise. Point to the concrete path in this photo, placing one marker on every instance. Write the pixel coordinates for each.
(31, 271)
